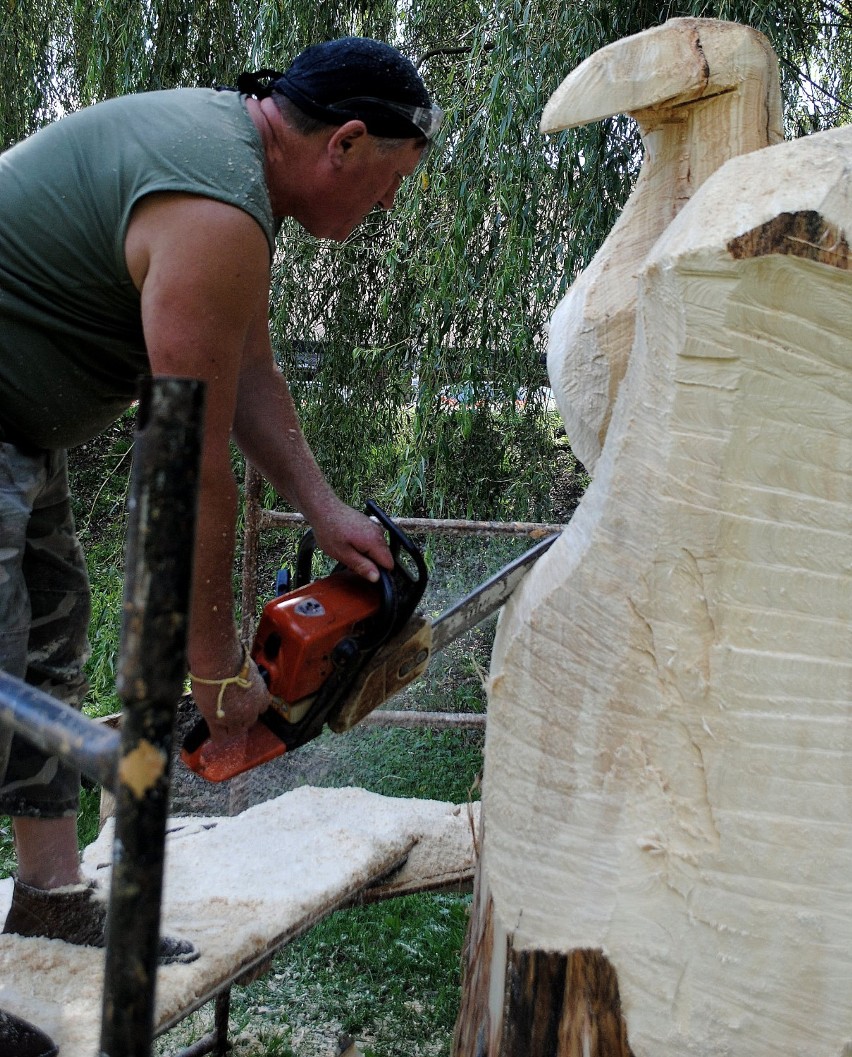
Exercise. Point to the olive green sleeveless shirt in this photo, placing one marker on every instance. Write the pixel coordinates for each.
(71, 342)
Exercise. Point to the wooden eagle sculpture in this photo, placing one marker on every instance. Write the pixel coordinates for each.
(666, 867)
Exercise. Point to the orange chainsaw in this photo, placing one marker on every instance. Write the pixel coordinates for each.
(333, 649)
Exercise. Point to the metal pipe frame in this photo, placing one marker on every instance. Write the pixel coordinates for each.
(59, 730)
(135, 764)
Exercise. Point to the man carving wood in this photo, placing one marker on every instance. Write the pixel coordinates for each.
(136, 237)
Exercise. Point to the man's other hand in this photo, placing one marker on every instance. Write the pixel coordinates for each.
(352, 538)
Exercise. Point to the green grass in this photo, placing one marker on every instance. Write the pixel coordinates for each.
(387, 975)
(428, 764)
(104, 630)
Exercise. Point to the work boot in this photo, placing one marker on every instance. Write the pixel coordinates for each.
(76, 914)
(18, 1038)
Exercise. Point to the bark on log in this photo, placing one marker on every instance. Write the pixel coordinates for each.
(668, 762)
(554, 1003)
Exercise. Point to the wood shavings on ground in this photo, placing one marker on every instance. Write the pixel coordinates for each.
(238, 888)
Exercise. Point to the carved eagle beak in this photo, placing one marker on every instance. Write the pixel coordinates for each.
(680, 62)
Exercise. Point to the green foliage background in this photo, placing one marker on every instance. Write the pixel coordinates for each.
(450, 295)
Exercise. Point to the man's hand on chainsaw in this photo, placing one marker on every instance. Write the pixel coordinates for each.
(231, 704)
(352, 538)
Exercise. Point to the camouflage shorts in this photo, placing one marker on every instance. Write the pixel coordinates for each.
(44, 618)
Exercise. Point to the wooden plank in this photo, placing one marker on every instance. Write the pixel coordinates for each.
(239, 888)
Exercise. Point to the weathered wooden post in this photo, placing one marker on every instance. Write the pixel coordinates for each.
(152, 669)
(667, 855)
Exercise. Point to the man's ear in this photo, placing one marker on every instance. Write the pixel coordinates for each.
(343, 139)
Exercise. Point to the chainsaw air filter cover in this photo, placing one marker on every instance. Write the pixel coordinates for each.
(307, 634)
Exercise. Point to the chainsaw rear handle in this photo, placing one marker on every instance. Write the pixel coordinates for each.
(218, 761)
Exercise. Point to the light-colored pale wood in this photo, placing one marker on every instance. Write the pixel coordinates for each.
(668, 762)
(701, 92)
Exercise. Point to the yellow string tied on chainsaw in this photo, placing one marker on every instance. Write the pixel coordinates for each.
(241, 679)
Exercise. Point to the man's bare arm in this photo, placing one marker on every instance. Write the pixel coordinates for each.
(267, 430)
(202, 268)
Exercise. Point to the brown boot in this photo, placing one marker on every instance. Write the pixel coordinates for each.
(18, 1038)
(76, 914)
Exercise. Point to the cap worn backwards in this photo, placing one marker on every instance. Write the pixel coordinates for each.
(354, 78)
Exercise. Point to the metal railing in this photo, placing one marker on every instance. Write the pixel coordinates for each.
(135, 763)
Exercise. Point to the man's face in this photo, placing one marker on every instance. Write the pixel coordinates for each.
(369, 176)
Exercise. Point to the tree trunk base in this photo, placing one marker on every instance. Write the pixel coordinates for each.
(554, 1003)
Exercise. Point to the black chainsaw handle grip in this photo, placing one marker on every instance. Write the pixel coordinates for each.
(305, 559)
(398, 541)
